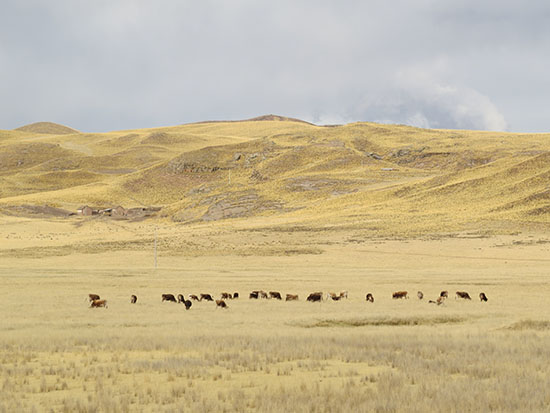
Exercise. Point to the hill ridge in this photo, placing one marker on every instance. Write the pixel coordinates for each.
(48, 128)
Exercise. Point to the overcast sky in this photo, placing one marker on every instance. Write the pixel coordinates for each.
(120, 64)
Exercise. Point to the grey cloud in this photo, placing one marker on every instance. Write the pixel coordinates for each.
(117, 64)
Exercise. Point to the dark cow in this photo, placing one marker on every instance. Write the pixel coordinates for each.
(235, 295)
(187, 304)
(193, 297)
(254, 295)
(206, 297)
(226, 296)
(444, 294)
(462, 294)
(400, 294)
(370, 298)
(483, 297)
(98, 303)
(420, 295)
(169, 297)
(291, 297)
(221, 304)
(92, 297)
(263, 294)
(181, 298)
(133, 299)
(313, 297)
(275, 294)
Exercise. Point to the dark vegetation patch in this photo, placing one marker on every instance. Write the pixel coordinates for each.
(378, 322)
(538, 325)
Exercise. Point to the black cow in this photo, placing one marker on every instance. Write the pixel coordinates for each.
(314, 297)
(463, 294)
(275, 294)
(133, 299)
(169, 297)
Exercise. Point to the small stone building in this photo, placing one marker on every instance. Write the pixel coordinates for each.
(85, 211)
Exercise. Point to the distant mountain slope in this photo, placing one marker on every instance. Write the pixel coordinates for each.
(388, 180)
(47, 127)
(261, 118)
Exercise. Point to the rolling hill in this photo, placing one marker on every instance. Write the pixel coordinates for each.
(383, 180)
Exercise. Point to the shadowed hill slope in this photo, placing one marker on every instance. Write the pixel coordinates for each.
(387, 180)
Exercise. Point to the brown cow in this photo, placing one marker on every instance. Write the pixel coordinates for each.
(439, 301)
(420, 295)
(317, 296)
(92, 297)
(462, 294)
(482, 297)
(169, 297)
(133, 299)
(275, 294)
(98, 303)
(343, 294)
(226, 296)
(291, 297)
(206, 297)
(370, 298)
(334, 296)
(400, 294)
(221, 304)
(444, 294)
(193, 297)
(263, 294)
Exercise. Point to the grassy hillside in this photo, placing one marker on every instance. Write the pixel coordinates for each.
(385, 179)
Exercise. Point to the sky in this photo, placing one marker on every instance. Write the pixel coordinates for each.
(122, 64)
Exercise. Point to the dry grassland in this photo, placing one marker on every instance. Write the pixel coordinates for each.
(407, 355)
(284, 206)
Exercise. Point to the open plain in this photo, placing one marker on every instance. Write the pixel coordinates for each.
(274, 204)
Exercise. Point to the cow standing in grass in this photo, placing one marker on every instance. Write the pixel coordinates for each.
(315, 297)
(133, 299)
(221, 304)
(400, 294)
(463, 294)
(370, 298)
(275, 294)
(98, 303)
(291, 297)
(92, 297)
(169, 297)
(482, 297)
(193, 297)
(206, 297)
(187, 304)
(420, 295)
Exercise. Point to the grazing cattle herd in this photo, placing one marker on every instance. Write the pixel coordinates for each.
(97, 302)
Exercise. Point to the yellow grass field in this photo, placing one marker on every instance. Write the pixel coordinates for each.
(275, 205)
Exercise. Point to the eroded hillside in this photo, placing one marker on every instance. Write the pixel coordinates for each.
(385, 180)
